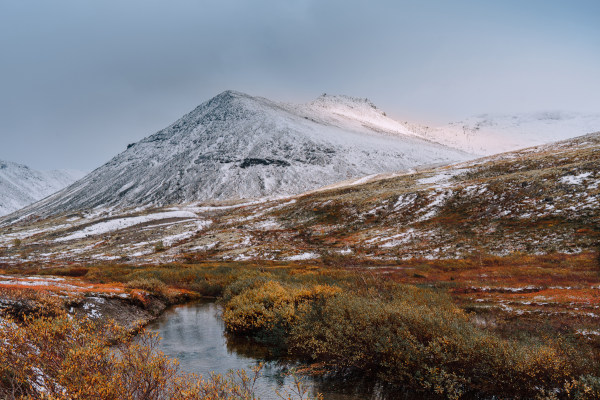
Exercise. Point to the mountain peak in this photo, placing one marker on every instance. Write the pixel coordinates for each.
(226, 99)
(341, 100)
(238, 146)
(231, 94)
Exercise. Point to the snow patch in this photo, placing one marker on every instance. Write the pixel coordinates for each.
(575, 179)
(122, 223)
(303, 256)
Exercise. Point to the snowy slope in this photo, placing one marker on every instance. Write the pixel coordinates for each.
(499, 204)
(21, 185)
(351, 113)
(491, 134)
(238, 146)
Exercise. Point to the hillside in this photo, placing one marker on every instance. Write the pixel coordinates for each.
(539, 200)
(21, 185)
(489, 134)
(237, 146)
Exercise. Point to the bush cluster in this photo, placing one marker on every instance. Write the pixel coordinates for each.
(402, 334)
(62, 358)
(269, 310)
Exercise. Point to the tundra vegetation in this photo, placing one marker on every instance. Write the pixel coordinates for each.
(474, 280)
(419, 330)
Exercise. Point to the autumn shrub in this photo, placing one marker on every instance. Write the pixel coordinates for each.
(204, 280)
(148, 284)
(270, 309)
(245, 281)
(73, 271)
(402, 334)
(336, 259)
(586, 387)
(425, 342)
(22, 302)
(64, 358)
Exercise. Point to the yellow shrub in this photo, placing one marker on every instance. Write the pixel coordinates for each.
(270, 307)
(62, 358)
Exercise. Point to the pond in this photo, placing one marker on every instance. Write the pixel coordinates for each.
(195, 335)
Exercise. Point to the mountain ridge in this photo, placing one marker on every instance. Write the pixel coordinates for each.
(237, 146)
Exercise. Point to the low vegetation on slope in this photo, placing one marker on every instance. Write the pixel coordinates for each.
(535, 201)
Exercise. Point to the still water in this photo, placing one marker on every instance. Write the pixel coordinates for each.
(195, 335)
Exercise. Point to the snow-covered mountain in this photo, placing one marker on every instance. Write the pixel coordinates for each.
(491, 134)
(238, 146)
(21, 185)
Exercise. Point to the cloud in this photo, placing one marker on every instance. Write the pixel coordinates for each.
(80, 80)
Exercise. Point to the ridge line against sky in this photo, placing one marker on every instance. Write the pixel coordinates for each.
(81, 80)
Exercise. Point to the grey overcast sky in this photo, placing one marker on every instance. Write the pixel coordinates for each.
(80, 79)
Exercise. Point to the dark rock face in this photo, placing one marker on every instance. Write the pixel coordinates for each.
(249, 162)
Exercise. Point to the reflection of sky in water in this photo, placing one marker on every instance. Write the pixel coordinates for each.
(194, 335)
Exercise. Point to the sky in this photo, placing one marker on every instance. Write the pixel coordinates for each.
(81, 79)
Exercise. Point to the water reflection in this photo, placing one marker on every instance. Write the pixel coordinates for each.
(194, 334)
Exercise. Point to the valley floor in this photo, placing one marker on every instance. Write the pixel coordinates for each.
(552, 301)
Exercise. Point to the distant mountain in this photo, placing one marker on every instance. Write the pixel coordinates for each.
(21, 185)
(238, 146)
(491, 134)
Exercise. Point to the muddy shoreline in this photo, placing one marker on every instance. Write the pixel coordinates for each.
(128, 313)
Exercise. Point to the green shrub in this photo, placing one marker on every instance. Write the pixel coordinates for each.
(148, 284)
(159, 246)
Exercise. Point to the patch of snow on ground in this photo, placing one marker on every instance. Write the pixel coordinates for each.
(92, 312)
(303, 256)
(205, 247)
(35, 281)
(575, 179)
(586, 332)
(438, 201)
(442, 177)
(105, 257)
(362, 180)
(141, 253)
(121, 223)
(170, 240)
(26, 234)
(401, 238)
(267, 225)
(405, 200)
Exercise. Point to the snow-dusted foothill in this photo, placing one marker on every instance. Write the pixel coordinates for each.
(489, 134)
(21, 185)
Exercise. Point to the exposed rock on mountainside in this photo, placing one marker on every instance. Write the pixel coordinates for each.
(237, 146)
